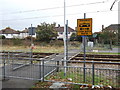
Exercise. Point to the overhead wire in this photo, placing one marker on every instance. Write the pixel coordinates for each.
(27, 11)
(113, 4)
(58, 15)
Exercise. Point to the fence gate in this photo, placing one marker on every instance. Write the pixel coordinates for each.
(21, 65)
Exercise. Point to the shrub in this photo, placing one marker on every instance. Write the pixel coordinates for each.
(2, 37)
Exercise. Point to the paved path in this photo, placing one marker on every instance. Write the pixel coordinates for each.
(114, 50)
(18, 83)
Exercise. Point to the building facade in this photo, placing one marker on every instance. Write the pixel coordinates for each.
(60, 32)
(10, 33)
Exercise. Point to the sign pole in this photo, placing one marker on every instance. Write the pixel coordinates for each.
(84, 40)
(84, 28)
(66, 41)
(31, 44)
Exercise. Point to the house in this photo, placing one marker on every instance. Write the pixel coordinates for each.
(10, 33)
(25, 33)
(60, 31)
(112, 28)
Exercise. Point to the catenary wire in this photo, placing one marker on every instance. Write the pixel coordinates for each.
(58, 15)
(27, 11)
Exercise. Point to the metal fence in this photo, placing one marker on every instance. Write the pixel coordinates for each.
(51, 68)
(21, 65)
(96, 73)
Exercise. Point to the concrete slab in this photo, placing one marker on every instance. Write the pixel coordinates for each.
(57, 85)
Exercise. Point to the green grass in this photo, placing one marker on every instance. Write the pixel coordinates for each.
(78, 78)
(40, 49)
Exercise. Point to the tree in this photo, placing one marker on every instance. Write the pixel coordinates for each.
(74, 37)
(108, 37)
(46, 32)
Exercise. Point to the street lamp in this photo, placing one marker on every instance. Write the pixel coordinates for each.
(65, 44)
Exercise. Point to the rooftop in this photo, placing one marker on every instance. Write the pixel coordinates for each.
(113, 27)
(8, 30)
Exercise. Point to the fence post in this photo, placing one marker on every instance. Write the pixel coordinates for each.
(43, 70)
(4, 65)
(31, 57)
(57, 66)
(40, 64)
(118, 76)
(12, 57)
(8, 57)
(93, 72)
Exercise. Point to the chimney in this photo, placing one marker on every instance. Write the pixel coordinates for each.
(102, 28)
(58, 25)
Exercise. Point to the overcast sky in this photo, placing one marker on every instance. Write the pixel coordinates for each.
(20, 14)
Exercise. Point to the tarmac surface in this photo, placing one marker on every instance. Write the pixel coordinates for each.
(17, 83)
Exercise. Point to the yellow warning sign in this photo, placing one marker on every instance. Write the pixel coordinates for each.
(84, 27)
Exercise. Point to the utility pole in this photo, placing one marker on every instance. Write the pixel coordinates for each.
(65, 46)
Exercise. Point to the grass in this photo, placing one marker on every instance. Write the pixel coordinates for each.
(77, 77)
(59, 76)
(41, 49)
(49, 49)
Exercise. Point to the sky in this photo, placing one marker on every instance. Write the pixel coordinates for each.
(20, 14)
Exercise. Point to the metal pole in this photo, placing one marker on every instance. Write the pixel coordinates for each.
(57, 69)
(43, 70)
(4, 66)
(84, 39)
(66, 41)
(65, 38)
(93, 72)
(31, 35)
(40, 65)
(31, 44)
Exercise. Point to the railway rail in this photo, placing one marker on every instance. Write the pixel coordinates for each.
(78, 57)
(97, 58)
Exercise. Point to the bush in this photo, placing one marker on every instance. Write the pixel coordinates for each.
(17, 41)
(56, 43)
(29, 38)
(2, 37)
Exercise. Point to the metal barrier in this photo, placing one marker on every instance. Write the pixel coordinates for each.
(96, 73)
(18, 65)
(49, 68)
